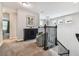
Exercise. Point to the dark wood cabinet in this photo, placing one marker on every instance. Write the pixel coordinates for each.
(30, 34)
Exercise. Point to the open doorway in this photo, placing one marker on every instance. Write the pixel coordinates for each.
(6, 26)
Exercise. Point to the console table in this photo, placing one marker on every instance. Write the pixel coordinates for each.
(30, 34)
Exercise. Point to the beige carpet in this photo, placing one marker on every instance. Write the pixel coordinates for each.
(24, 48)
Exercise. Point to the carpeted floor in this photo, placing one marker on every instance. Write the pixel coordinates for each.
(24, 48)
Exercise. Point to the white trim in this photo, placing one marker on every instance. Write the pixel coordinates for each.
(1, 43)
(19, 39)
(13, 37)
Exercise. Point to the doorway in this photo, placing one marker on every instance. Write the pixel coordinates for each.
(6, 26)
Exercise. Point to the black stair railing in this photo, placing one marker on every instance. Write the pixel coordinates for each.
(57, 43)
(66, 51)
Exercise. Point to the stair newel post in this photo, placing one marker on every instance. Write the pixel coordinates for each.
(56, 36)
(45, 38)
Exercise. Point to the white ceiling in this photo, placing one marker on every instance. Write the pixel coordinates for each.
(48, 9)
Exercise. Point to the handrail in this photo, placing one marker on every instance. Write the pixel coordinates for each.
(47, 26)
(62, 45)
(65, 49)
(65, 53)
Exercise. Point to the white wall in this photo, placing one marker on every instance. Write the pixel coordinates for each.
(1, 37)
(21, 21)
(66, 33)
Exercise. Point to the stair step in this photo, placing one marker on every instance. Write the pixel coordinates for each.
(55, 48)
(53, 51)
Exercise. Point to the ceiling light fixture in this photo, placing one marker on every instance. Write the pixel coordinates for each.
(25, 4)
(75, 1)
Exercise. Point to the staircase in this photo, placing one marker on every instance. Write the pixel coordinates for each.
(59, 50)
(62, 50)
(50, 42)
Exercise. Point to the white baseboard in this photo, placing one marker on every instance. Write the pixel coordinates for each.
(19, 39)
(13, 37)
(1, 43)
